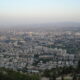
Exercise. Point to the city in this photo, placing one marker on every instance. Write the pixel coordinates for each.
(35, 52)
(39, 39)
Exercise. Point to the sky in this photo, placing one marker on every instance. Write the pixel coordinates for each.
(39, 11)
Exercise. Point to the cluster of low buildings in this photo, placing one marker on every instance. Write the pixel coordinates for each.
(31, 51)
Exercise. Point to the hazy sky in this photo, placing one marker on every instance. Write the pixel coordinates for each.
(39, 11)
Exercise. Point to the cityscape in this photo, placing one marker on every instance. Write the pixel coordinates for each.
(39, 39)
(39, 51)
(35, 52)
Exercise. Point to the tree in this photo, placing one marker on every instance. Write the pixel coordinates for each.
(74, 76)
(78, 67)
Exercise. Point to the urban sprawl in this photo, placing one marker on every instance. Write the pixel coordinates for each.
(39, 50)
